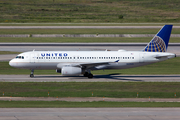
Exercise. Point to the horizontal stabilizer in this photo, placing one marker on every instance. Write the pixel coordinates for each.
(168, 55)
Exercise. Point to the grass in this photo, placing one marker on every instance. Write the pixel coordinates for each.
(8, 52)
(84, 31)
(62, 104)
(86, 24)
(81, 40)
(85, 89)
(89, 11)
(170, 66)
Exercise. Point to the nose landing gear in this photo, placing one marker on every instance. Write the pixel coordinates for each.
(32, 74)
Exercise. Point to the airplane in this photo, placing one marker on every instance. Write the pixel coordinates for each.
(70, 63)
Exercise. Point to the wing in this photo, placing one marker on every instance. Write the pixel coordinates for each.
(92, 65)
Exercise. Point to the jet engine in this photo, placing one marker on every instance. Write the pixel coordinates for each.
(58, 70)
(71, 70)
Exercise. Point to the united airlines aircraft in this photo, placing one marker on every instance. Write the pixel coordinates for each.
(82, 62)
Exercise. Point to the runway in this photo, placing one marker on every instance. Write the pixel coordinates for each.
(89, 113)
(97, 78)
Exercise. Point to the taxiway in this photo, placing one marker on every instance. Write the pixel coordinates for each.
(89, 113)
(97, 78)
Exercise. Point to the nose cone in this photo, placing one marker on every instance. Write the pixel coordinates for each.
(12, 63)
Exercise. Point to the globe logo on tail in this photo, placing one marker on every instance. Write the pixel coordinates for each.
(156, 45)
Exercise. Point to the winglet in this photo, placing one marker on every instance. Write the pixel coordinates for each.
(117, 61)
(160, 41)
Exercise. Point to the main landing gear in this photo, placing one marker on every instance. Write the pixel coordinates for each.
(88, 74)
(32, 74)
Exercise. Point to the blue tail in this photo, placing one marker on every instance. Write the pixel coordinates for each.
(160, 41)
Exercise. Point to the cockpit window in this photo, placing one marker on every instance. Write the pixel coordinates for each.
(20, 57)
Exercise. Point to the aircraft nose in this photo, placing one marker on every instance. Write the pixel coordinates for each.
(11, 63)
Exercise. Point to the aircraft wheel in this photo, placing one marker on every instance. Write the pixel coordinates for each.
(90, 75)
(31, 75)
(86, 74)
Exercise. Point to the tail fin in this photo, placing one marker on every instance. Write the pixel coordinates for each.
(160, 41)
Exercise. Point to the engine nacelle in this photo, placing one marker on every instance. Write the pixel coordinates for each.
(71, 70)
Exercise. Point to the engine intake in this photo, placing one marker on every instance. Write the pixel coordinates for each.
(58, 70)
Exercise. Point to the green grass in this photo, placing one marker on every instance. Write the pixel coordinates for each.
(170, 66)
(89, 11)
(8, 52)
(86, 24)
(62, 104)
(81, 40)
(85, 89)
(83, 31)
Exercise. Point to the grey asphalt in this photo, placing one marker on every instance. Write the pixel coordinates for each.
(81, 44)
(89, 113)
(97, 78)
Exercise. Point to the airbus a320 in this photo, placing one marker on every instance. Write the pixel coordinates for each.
(70, 63)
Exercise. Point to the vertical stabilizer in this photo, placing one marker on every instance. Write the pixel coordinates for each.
(160, 41)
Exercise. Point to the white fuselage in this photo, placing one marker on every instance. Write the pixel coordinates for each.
(116, 59)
